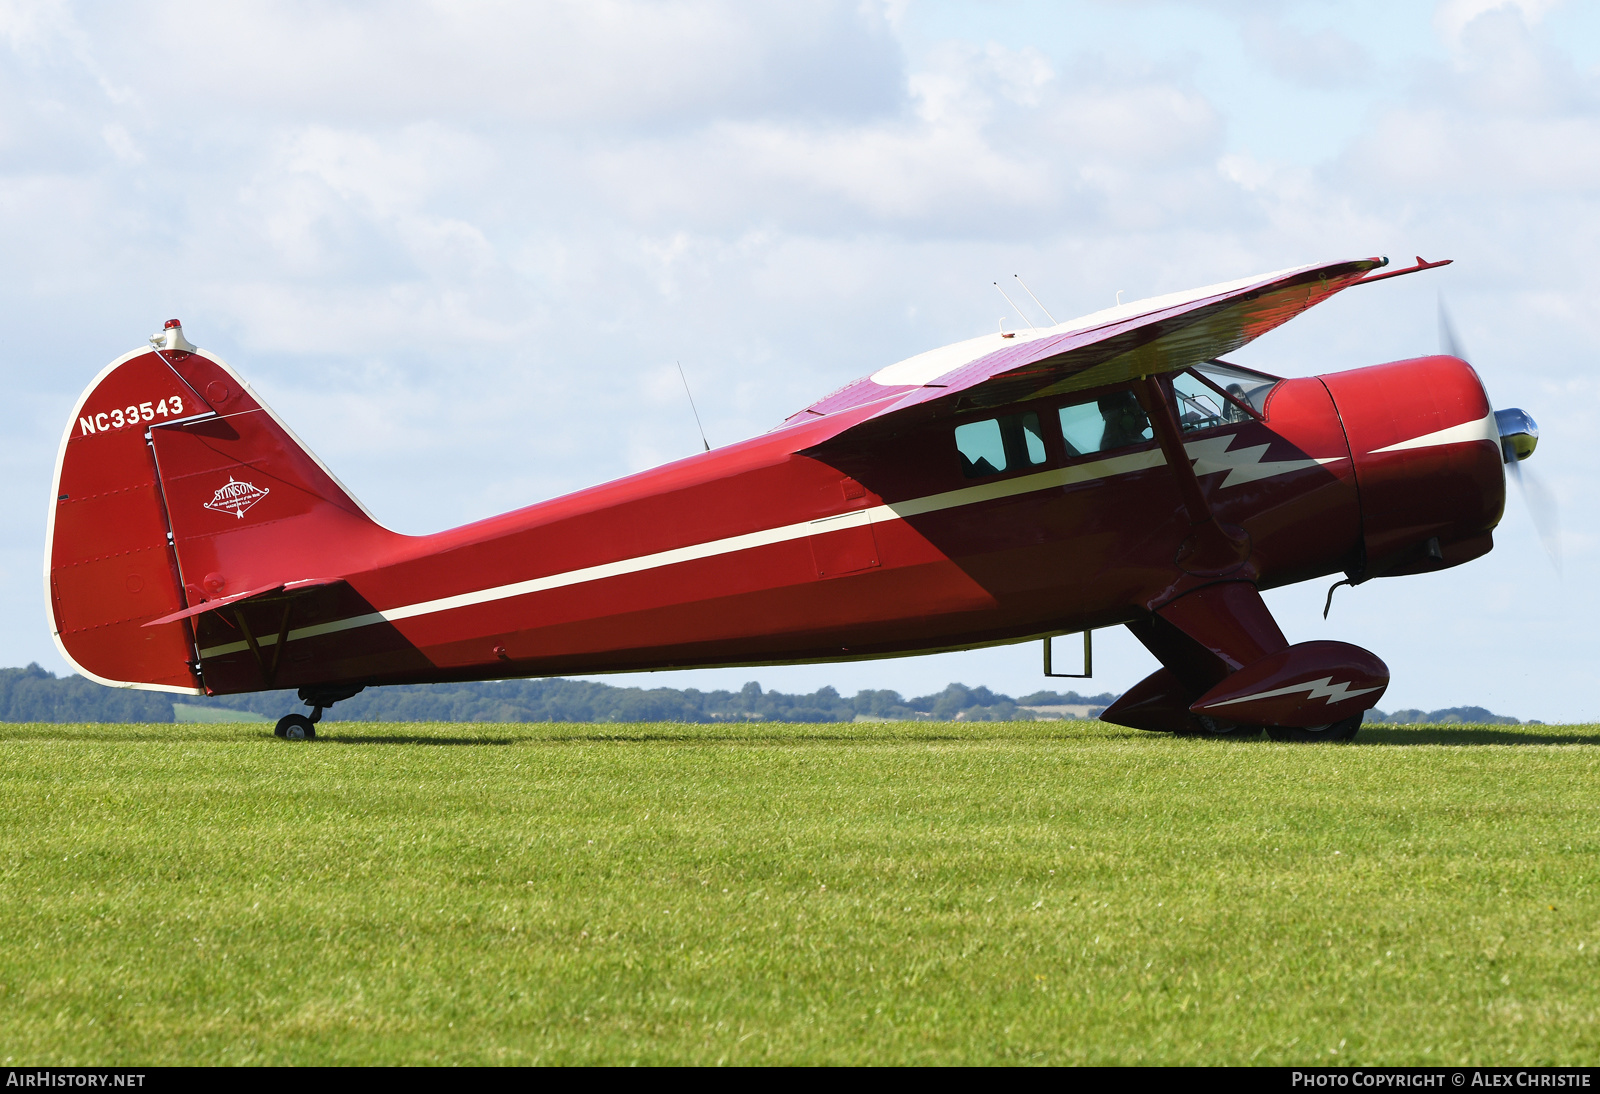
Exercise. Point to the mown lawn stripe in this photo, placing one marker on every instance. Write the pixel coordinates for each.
(886, 893)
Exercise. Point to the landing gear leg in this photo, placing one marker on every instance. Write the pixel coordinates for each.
(1226, 663)
(300, 727)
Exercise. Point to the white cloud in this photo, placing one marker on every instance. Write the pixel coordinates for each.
(1422, 150)
(1453, 17)
(1322, 58)
(997, 141)
(566, 64)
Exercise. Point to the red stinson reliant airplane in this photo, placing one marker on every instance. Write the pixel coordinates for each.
(1111, 470)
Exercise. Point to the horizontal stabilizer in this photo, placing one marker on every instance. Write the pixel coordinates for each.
(235, 598)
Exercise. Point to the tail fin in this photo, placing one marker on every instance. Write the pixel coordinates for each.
(175, 485)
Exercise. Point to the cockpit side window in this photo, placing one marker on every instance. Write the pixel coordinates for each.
(1200, 407)
(995, 445)
(1112, 421)
(1248, 388)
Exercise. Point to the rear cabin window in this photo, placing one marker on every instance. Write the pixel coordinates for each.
(1111, 421)
(1000, 444)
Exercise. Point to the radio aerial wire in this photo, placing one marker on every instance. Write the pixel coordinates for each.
(692, 407)
(1036, 300)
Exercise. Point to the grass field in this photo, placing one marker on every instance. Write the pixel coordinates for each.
(887, 893)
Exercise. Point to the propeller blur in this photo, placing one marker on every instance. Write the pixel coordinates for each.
(1519, 436)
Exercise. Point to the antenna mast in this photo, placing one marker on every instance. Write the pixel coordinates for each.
(692, 407)
(1029, 291)
(1014, 307)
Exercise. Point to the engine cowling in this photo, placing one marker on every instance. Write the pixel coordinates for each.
(1428, 463)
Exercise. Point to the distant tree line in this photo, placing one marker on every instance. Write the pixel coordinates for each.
(558, 700)
(35, 695)
(1447, 716)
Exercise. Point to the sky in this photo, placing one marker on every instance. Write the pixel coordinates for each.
(460, 246)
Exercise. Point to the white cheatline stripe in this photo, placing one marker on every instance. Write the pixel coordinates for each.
(1484, 429)
(695, 551)
(971, 495)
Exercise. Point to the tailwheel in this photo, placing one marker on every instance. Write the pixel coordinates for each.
(295, 727)
(1342, 730)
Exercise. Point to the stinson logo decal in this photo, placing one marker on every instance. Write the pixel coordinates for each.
(236, 497)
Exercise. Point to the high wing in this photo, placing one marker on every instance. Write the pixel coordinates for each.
(1142, 338)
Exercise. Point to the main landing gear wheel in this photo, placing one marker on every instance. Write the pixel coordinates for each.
(1343, 730)
(295, 727)
(299, 727)
(1205, 726)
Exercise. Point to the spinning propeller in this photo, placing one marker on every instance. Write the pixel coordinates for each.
(1519, 436)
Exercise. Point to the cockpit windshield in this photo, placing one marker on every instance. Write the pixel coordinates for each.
(1250, 388)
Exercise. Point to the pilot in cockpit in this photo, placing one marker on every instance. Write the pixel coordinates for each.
(1232, 412)
(1126, 422)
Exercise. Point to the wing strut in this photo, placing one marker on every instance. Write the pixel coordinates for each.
(1212, 548)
